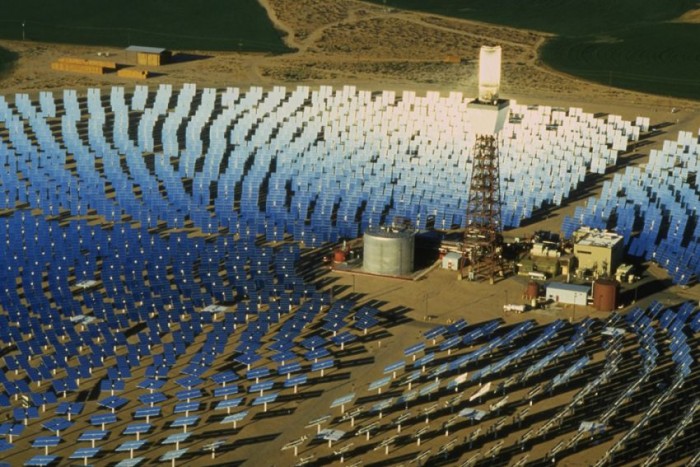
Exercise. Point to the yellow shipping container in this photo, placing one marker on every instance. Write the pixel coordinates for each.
(78, 68)
(132, 73)
(83, 61)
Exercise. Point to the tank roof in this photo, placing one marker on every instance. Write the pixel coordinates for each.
(606, 282)
(390, 233)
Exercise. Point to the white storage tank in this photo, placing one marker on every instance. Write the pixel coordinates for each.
(389, 252)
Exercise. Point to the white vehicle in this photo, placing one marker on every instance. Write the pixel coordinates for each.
(515, 308)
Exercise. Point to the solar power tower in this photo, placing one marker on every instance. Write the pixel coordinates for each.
(487, 114)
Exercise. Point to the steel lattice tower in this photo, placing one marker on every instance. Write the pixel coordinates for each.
(482, 237)
(487, 114)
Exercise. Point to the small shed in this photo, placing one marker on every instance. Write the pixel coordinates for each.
(150, 56)
(452, 261)
(568, 293)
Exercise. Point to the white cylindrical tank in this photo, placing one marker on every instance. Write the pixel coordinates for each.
(388, 252)
(489, 73)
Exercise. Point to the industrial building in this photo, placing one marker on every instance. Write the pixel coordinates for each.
(571, 294)
(543, 258)
(150, 56)
(598, 252)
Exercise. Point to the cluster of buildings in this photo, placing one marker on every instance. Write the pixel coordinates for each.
(594, 259)
(591, 266)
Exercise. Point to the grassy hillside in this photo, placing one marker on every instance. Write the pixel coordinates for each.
(175, 24)
(626, 43)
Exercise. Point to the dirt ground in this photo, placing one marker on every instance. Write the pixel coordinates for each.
(351, 42)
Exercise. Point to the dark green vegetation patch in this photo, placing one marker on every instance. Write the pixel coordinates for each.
(173, 24)
(630, 44)
(6, 59)
(659, 65)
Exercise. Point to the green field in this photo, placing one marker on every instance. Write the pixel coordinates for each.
(626, 43)
(173, 24)
(660, 66)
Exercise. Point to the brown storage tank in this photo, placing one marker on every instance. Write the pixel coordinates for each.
(339, 256)
(605, 295)
(533, 290)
